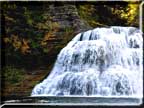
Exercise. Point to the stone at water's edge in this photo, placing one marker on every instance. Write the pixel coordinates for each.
(100, 62)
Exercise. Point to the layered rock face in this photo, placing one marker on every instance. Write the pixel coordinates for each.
(67, 16)
(68, 23)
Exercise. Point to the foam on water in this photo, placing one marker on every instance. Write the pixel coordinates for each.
(99, 62)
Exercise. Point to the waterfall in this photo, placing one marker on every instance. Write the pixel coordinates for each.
(98, 62)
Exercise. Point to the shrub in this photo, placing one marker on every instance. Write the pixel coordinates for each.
(12, 75)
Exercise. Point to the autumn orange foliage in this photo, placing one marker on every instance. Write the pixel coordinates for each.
(18, 44)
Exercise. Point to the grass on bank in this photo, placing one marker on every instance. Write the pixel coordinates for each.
(19, 82)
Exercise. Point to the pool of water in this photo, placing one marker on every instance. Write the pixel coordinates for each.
(77, 100)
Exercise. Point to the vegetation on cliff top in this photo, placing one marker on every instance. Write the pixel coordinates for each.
(126, 14)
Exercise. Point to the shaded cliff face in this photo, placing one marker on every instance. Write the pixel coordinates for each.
(67, 17)
(38, 31)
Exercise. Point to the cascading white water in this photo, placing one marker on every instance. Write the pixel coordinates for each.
(99, 62)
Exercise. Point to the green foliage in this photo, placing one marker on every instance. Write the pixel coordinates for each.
(125, 14)
(68, 33)
(27, 15)
(45, 50)
(93, 14)
(12, 75)
(86, 12)
(34, 44)
(128, 13)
